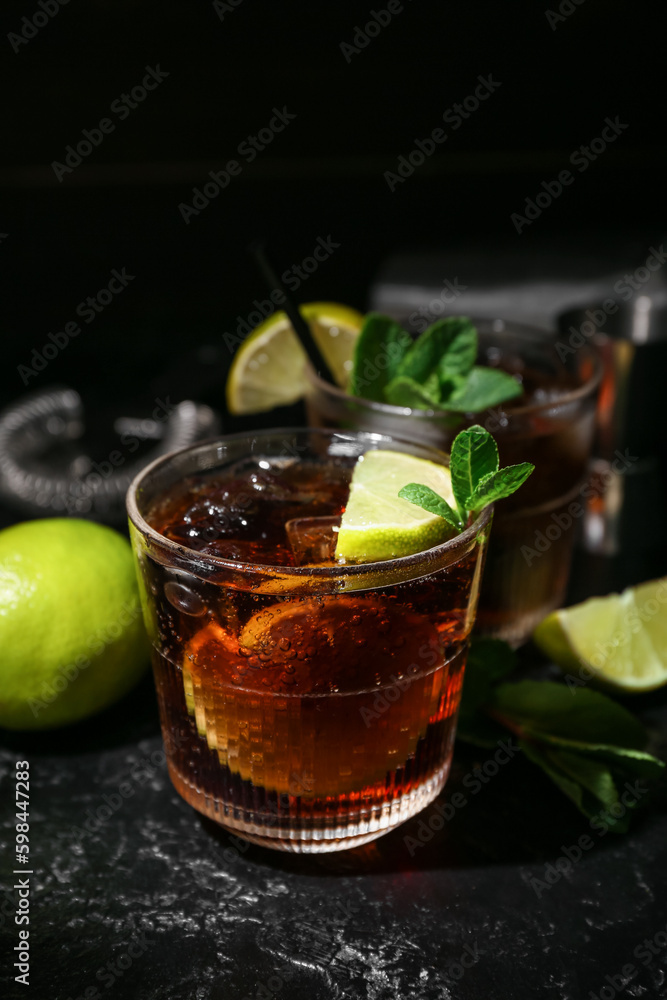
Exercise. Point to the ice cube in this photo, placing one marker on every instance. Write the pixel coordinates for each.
(313, 539)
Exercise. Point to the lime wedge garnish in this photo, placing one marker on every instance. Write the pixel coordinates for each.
(621, 639)
(268, 369)
(377, 524)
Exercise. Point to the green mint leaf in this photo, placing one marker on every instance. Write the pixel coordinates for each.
(479, 730)
(547, 709)
(591, 776)
(498, 485)
(462, 345)
(587, 746)
(489, 660)
(403, 391)
(424, 496)
(483, 388)
(624, 762)
(380, 347)
(474, 455)
(447, 348)
(588, 784)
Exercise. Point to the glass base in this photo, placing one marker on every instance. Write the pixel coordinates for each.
(314, 834)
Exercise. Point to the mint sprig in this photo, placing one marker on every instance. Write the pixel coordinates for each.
(381, 346)
(589, 746)
(477, 480)
(435, 372)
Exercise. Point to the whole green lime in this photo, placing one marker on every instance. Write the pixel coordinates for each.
(71, 632)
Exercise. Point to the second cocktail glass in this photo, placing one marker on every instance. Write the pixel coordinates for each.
(552, 426)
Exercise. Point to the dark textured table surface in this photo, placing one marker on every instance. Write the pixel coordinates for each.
(134, 895)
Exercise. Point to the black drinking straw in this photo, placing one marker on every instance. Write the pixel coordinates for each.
(299, 325)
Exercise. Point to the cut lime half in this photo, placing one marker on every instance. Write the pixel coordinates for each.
(378, 524)
(619, 640)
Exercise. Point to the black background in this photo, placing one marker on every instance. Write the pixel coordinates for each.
(322, 176)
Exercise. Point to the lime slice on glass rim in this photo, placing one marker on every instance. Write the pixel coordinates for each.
(377, 524)
(268, 369)
(620, 639)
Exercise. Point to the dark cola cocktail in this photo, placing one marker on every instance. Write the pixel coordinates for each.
(306, 705)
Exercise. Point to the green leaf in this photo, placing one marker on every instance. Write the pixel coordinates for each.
(588, 784)
(474, 455)
(378, 352)
(484, 387)
(403, 391)
(629, 763)
(498, 485)
(488, 661)
(546, 708)
(446, 348)
(479, 730)
(424, 496)
(591, 776)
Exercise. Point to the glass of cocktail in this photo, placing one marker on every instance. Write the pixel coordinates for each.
(305, 705)
(551, 424)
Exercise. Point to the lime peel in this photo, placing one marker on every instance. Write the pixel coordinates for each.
(377, 524)
(619, 640)
(269, 368)
(71, 630)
